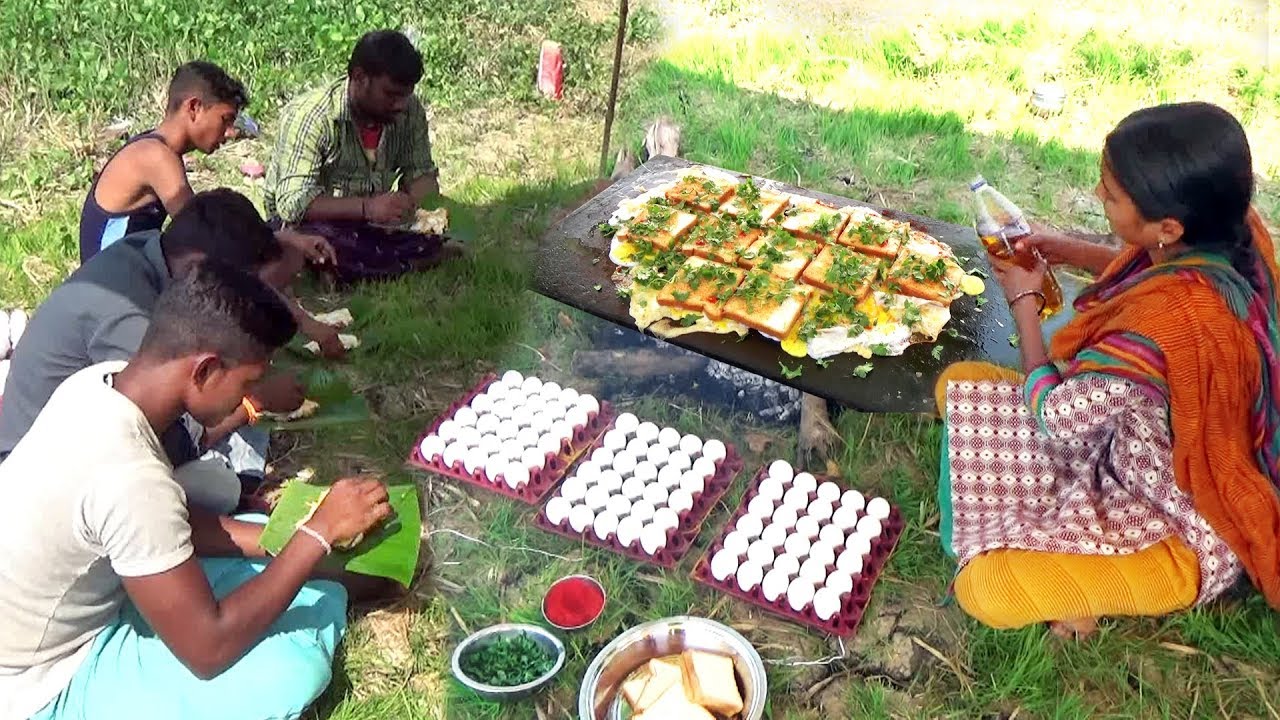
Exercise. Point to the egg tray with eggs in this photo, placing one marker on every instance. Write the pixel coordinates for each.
(541, 463)
(644, 492)
(824, 589)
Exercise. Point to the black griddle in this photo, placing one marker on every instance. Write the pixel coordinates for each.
(573, 258)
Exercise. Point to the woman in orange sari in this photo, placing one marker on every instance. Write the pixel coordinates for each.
(1133, 467)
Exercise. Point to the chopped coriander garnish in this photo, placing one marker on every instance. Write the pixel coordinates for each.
(825, 224)
(863, 370)
(880, 349)
(507, 662)
(911, 314)
(937, 352)
(680, 295)
(791, 373)
(824, 362)
(598, 287)
(689, 320)
(607, 230)
(982, 300)
(1014, 340)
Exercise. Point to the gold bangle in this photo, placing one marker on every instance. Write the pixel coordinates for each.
(1028, 293)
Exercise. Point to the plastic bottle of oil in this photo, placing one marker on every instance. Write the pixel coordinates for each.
(1000, 224)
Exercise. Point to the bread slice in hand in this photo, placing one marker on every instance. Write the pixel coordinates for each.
(814, 220)
(710, 681)
(768, 304)
(701, 286)
(874, 234)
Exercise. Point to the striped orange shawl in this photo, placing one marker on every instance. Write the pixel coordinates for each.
(1198, 334)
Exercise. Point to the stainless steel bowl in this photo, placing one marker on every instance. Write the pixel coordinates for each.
(599, 698)
(481, 638)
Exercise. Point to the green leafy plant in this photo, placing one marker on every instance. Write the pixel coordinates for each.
(507, 661)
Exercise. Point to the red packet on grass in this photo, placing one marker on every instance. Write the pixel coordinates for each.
(551, 70)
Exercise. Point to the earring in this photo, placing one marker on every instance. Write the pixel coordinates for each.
(1161, 245)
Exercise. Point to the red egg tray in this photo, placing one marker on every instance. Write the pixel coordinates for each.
(541, 481)
(679, 539)
(845, 622)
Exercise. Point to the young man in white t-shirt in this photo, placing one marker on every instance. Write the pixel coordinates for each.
(105, 610)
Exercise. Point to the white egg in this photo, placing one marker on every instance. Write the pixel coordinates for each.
(859, 544)
(605, 525)
(581, 517)
(576, 417)
(840, 582)
(596, 498)
(771, 489)
(642, 509)
(569, 397)
(512, 377)
(781, 471)
(656, 494)
(481, 403)
(788, 564)
(850, 561)
(619, 506)
(533, 458)
(680, 500)
(830, 492)
(820, 510)
(531, 385)
(489, 444)
(624, 463)
(775, 535)
(785, 516)
(453, 454)
(603, 457)
(448, 430)
(845, 518)
(468, 436)
(614, 440)
(558, 510)
(679, 459)
(497, 390)
(737, 543)
(807, 527)
(824, 552)
(666, 518)
(669, 437)
(515, 475)
(553, 408)
(551, 389)
(626, 423)
(826, 603)
(760, 553)
(658, 455)
(588, 403)
(705, 467)
(527, 437)
(629, 530)
(633, 488)
(723, 565)
(561, 430)
(432, 445)
(814, 571)
(796, 498)
(474, 460)
(691, 445)
(750, 525)
(646, 471)
(761, 507)
(797, 545)
(507, 430)
(515, 399)
(800, 594)
(832, 534)
(511, 451)
(504, 411)
(588, 472)
(653, 539)
(774, 585)
(749, 576)
(668, 477)
(541, 423)
(549, 445)
(692, 484)
(878, 508)
(638, 447)
(465, 416)
(869, 527)
(647, 431)
(610, 480)
(714, 450)
(806, 481)
(573, 489)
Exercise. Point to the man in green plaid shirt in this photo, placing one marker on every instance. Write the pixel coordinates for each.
(352, 162)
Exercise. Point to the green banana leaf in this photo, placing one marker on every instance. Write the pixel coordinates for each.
(391, 551)
(339, 404)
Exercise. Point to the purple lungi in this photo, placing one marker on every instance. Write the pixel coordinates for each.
(369, 252)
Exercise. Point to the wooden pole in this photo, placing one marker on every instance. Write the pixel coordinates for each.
(613, 86)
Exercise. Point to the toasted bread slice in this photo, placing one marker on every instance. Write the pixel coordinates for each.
(814, 220)
(768, 304)
(710, 681)
(657, 225)
(700, 191)
(780, 253)
(664, 674)
(839, 268)
(720, 238)
(674, 704)
(702, 286)
(760, 205)
(926, 269)
(874, 234)
(633, 687)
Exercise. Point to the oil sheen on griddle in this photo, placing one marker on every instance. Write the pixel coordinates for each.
(1000, 224)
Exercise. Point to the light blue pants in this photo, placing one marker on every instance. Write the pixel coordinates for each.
(131, 674)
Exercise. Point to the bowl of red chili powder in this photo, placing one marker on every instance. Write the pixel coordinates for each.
(573, 602)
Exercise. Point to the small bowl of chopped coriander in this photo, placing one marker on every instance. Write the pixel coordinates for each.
(509, 661)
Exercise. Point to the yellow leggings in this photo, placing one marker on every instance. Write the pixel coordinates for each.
(1013, 588)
